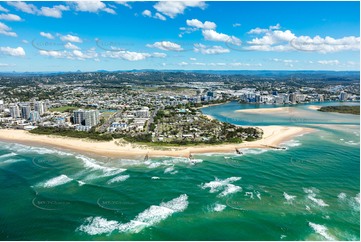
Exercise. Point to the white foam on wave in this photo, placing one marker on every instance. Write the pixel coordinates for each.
(254, 151)
(98, 225)
(357, 198)
(32, 149)
(318, 201)
(258, 195)
(169, 170)
(229, 189)
(8, 155)
(171, 162)
(321, 230)
(57, 181)
(312, 196)
(353, 202)
(118, 179)
(155, 214)
(92, 165)
(155, 178)
(219, 207)
(151, 216)
(10, 161)
(289, 198)
(291, 143)
(249, 194)
(222, 185)
(342, 195)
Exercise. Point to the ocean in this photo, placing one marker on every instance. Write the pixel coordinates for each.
(309, 191)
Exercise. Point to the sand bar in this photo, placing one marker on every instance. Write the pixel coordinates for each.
(314, 107)
(273, 136)
(266, 110)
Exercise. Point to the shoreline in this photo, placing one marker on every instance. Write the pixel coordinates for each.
(273, 136)
(213, 104)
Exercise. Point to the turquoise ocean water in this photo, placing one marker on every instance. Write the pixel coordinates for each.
(310, 191)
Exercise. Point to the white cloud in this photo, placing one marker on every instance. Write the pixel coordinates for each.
(274, 39)
(173, 8)
(53, 53)
(329, 62)
(183, 63)
(124, 3)
(193, 59)
(237, 64)
(199, 25)
(198, 63)
(55, 12)
(94, 6)
(127, 55)
(10, 17)
(25, 41)
(72, 55)
(147, 13)
(24, 7)
(71, 38)
(47, 35)
(326, 45)
(217, 64)
(5, 30)
(159, 55)
(71, 46)
(236, 25)
(2, 9)
(212, 35)
(6, 65)
(210, 50)
(90, 54)
(166, 45)
(19, 51)
(159, 16)
(284, 61)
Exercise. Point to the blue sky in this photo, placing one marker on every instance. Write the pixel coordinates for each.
(90, 36)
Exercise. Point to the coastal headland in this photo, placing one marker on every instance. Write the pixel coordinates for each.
(273, 136)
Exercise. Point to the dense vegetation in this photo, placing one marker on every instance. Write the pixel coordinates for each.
(92, 134)
(341, 109)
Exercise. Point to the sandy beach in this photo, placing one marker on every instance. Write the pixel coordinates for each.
(314, 107)
(266, 110)
(273, 136)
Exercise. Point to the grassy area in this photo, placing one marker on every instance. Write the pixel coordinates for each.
(341, 109)
(72, 133)
(63, 109)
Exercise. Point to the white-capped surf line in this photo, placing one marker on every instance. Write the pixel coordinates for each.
(219, 207)
(289, 198)
(149, 217)
(92, 165)
(32, 149)
(56, 181)
(321, 230)
(8, 155)
(98, 225)
(118, 179)
(171, 162)
(223, 186)
(170, 170)
(312, 196)
(291, 143)
(229, 189)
